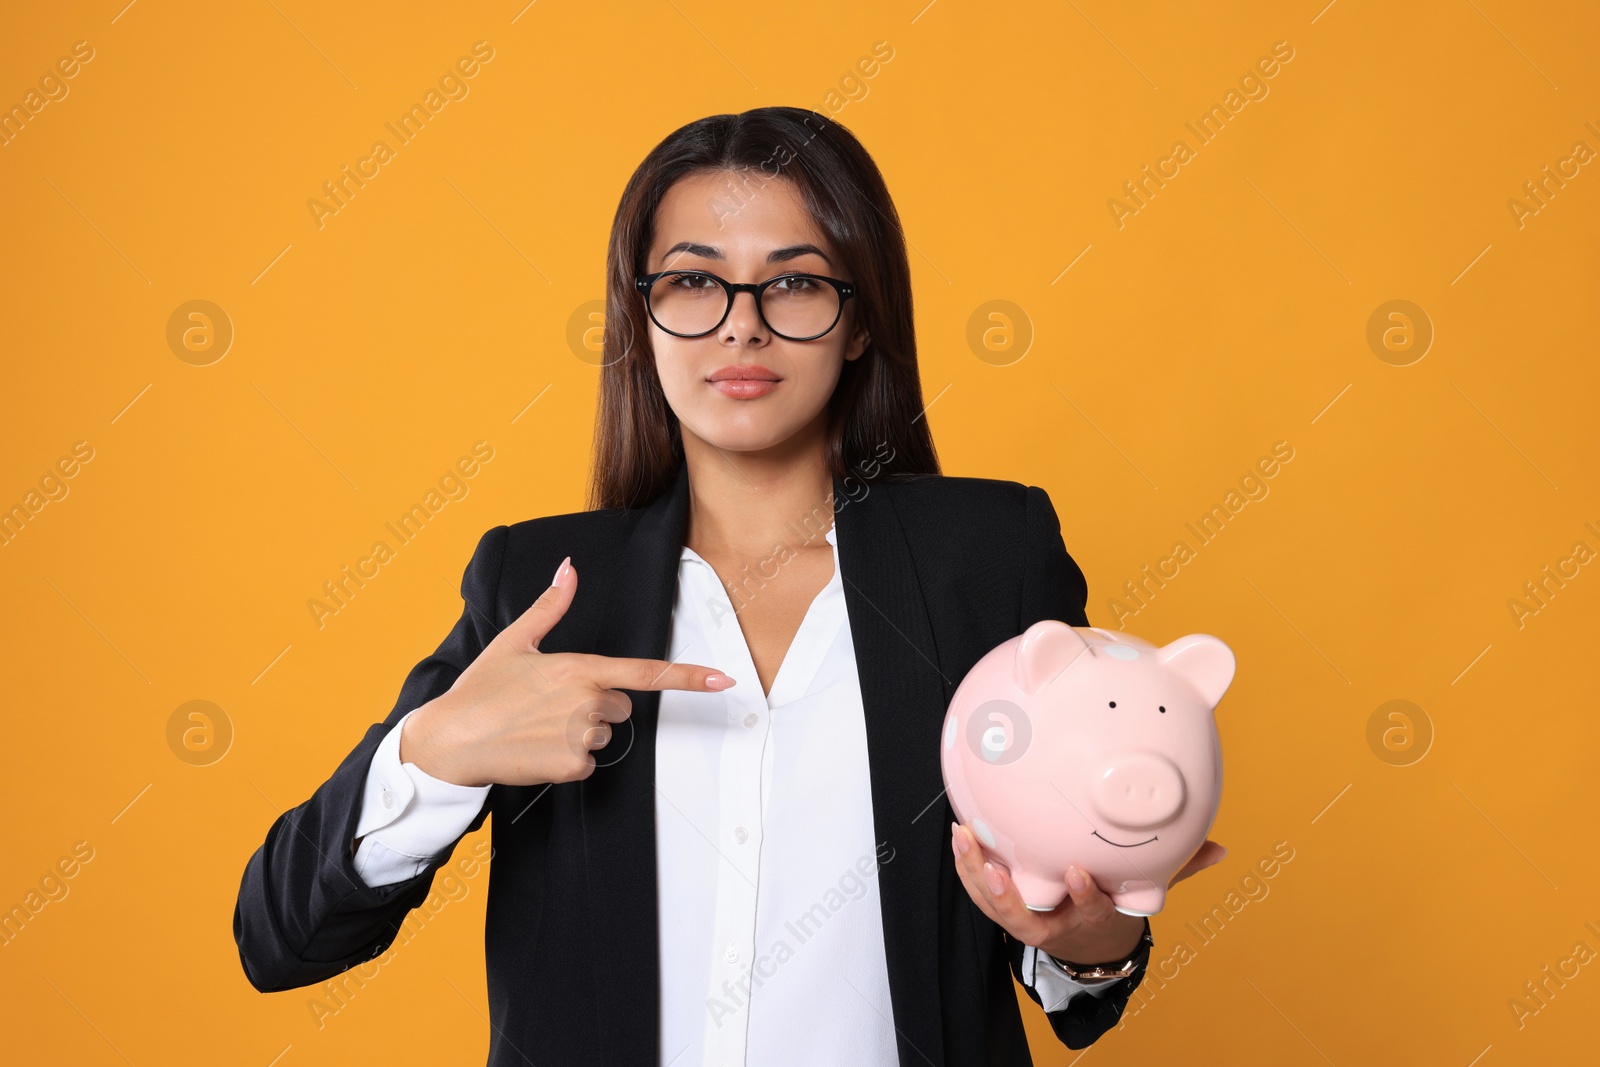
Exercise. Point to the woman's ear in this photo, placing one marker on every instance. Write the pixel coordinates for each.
(860, 341)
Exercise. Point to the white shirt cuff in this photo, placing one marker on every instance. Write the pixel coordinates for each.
(408, 816)
(1054, 986)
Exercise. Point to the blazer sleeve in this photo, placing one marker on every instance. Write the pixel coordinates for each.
(1053, 587)
(304, 914)
(1087, 1014)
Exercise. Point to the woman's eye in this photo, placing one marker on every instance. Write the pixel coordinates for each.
(690, 281)
(797, 285)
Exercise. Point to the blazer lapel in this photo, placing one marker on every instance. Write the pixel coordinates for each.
(903, 696)
(617, 801)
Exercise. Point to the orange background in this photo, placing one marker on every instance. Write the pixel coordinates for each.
(445, 304)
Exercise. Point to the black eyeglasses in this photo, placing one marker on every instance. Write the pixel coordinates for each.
(693, 303)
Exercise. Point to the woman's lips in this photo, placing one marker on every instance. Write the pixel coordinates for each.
(744, 389)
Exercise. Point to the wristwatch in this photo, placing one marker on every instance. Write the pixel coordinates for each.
(1136, 959)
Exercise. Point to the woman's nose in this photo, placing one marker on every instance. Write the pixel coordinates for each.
(744, 320)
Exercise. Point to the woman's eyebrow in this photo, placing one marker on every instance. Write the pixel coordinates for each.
(777, 255)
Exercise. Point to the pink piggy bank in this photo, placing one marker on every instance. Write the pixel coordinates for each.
(1069, 745)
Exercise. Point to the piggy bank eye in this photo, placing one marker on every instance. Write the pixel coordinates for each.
(1113, 703)
(1161, 709)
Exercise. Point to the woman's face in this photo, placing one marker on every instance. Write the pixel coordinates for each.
(763, 232)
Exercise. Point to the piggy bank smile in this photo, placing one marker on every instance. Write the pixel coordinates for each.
(1119, 844)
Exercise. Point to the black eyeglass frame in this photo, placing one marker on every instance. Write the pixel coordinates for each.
(644, 282)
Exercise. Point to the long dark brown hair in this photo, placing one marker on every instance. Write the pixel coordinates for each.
(875, 431)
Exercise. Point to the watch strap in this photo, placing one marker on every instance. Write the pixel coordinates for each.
(1116, 969)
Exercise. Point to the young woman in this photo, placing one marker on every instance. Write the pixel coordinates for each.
(711, 743)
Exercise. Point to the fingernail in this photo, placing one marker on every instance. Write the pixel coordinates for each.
(1075, 880)
(561, 571)
(992, 876)
(718, 681)
(961, 839)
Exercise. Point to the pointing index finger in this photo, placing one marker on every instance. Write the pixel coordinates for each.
(615, 672)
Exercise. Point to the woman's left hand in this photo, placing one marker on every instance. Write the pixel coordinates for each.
(1083, 928)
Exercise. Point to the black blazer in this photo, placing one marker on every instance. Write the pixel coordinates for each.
(936, 570)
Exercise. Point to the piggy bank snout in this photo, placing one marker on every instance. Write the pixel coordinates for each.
(1138, 790)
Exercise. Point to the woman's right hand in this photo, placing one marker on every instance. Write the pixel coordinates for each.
(518, 716)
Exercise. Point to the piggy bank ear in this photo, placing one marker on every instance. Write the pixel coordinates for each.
(1204, 661)
(1047, 648)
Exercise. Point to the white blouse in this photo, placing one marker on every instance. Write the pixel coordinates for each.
(771, 935)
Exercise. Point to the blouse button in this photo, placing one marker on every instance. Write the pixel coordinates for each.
(388, 799)
(740, 834)
(731, 953)
(751, 719)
